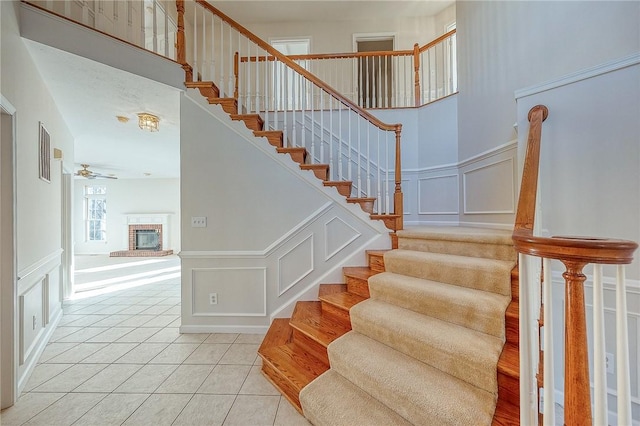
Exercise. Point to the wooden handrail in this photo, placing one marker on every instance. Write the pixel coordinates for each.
(438, 40)
(284, 59)
(575, 253)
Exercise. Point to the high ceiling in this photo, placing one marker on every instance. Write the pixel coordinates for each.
(250, 11)
(90, 95)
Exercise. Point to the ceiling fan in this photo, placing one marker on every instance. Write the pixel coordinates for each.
(86, 173)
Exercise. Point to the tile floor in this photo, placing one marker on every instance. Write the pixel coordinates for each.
(117, 358)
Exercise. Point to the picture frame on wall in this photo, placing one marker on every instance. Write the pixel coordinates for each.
(44, 152)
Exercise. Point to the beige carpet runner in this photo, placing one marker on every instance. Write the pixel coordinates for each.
(424, 348)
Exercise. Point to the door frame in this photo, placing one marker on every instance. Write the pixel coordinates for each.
(8, 258)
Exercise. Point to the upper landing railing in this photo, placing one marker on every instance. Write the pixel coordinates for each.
(148, 24)
(387, 79)
(575, 253)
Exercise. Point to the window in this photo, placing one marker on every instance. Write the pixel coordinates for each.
(95, 213)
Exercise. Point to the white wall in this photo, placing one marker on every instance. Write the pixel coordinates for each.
(38, 202)
(504, 46)
(127, 196)
(337, 36)
(273, 232)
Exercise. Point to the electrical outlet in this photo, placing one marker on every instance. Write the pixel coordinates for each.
(213, 298)
(611, 363)
(199, 222)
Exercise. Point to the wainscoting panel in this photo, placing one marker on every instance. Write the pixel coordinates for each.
(295, 264)
(32, 318)
(490, 189)
(337, 235)
(232, 286)
(438, 195)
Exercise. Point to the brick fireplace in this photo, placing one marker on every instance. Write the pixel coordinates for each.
(146, 236)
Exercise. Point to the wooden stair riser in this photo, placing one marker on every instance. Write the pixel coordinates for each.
(366, 204)
(343, 187)
(229, 105)
(310, 345)
(509, 388)
(506, 414)
(358, 286)
(392, 222)
(336, 312)
(297, 154)
(286, 388)
(320, 170)
(252, 121)
(512, 324)
(208, 89)
(274, 137)
(376, 261)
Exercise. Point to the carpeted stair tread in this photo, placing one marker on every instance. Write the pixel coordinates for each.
(404, 383)
(332, 400)
(309, 320)
(465, 241)
(475, 309)
(463, 353)
(479, 273)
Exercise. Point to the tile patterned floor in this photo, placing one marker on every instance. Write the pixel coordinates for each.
(118, 359)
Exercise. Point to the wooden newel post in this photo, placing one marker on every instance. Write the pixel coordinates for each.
(398, 207)
(416, 72)
(577, 393)
(181, 45)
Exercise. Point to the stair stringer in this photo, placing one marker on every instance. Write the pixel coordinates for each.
(327, 234)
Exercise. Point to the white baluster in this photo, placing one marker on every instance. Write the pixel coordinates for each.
(195, 42)
(386, 179)
(321, 110)
(340, 172)
(257, 82)
(221, 85)
(213, 53)
(378, 199)
(331, 165)
(285, 98)
(359, 154)
(548, 380)
(313, 127)
(349, 165)
(275, 89)
(368, 194)
(143, 40)
(599, 351)
(380, 76)
(622, 348)
(203, 61)
(230, 76)
(166, 33)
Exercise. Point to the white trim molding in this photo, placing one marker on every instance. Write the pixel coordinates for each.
(617, 64)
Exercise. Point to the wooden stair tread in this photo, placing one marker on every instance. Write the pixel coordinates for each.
(359, 272)
(509, 362)
(309, 320)
(314, 166)
(377, 252)
(298, 366)
(513, 310)
(344, 300)
(292, 149)
(279, 333)
(361, 199)
(326, 289)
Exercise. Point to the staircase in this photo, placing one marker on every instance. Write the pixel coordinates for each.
(414, 338)
(276, 138)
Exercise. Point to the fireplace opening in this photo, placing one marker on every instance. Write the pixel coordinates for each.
(147, 239)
